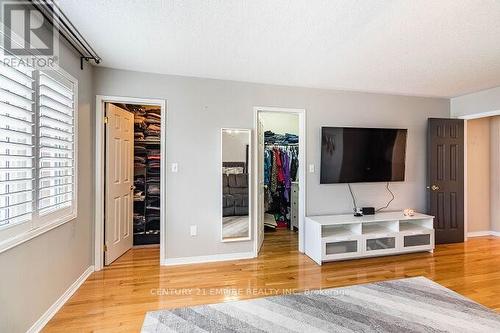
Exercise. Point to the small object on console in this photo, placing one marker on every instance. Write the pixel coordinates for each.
(409, 212)
(368, 210)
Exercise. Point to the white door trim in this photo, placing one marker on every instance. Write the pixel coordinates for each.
(302, 170)
(99, 173)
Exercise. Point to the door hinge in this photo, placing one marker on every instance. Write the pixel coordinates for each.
(105, 120)
(105, 248)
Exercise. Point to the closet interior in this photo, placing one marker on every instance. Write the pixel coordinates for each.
(147, 156)
(281, 164)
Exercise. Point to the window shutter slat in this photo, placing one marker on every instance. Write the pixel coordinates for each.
(16, 145)
(56, 144)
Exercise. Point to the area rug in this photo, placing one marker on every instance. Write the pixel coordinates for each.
(406, 305)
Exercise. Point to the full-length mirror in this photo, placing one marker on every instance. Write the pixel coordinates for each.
(235, 184)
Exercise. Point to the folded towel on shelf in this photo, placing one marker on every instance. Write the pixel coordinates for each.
(154, 202)
(139, 127)
(152, 133)
(139, 159)
(139, 182)
(139, 150)
(153, 180)
(291, 138)
(152, 121)
(138, 165)
(154, 127)
(273, 138)
(153, 222)
(154, 114)
(139, 196)
(139, 222)
(153, 111)
(153, 189)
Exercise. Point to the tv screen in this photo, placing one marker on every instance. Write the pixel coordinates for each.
(355, 155)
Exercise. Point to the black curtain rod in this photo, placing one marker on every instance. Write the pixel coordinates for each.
(52, 13)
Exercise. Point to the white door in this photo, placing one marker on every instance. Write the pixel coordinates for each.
(260, 189)
(119, 182)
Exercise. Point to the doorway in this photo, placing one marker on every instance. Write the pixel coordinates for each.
(130, 177)
(280, 174)
(482, 175)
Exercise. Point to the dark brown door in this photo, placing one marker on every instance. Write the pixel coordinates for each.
(445, 187)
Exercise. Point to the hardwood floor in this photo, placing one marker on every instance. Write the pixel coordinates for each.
(117, 298)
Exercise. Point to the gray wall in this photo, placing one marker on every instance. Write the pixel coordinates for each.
(479, 102)
(35, 274)
(198, 108)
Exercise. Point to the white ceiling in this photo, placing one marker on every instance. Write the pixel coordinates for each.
(426, 47)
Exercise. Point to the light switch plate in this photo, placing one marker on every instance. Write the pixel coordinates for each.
(175, 167)
(193, 230)
(311, 168)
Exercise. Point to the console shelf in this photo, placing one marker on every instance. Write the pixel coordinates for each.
(341, 237)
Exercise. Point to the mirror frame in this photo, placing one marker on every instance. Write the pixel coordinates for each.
(250, 186)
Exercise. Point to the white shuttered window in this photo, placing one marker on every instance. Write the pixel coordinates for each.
(37, 152)
(16, 145)
(56, 142)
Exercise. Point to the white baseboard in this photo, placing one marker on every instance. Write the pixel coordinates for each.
(209, 258)
(44, 319)
(483, 233)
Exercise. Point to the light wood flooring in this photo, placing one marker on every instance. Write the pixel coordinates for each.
(117, 298)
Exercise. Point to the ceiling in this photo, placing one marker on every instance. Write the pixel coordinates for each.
(439, 48)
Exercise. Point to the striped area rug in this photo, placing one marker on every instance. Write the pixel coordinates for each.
(407, 305)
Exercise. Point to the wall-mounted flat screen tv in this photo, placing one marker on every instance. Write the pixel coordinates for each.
(358, 155)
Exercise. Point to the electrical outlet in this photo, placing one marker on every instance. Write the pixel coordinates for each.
(193, 230)
(311, 168)
(175, 167)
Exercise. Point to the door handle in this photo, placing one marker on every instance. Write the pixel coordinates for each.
(433, 187)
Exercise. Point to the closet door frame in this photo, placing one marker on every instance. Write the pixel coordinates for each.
(100, 159)
(302, 170)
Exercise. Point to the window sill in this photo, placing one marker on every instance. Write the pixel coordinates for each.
(26, 236)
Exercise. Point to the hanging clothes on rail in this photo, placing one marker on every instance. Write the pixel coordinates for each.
(280, 169)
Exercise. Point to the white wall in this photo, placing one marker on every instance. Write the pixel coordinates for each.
(280, 123)
(479, 102)
(198, 108)
(234, 146)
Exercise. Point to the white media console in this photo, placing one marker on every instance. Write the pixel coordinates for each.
(341, 237)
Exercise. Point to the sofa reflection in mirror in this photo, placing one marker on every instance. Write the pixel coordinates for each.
(235, 185)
